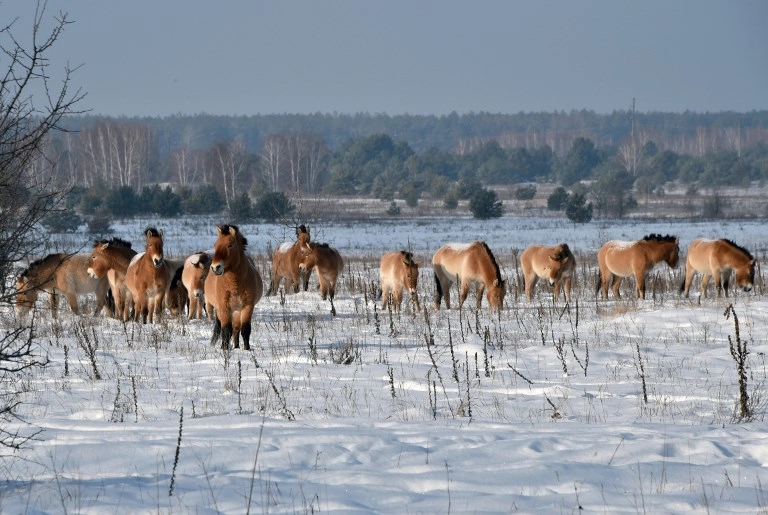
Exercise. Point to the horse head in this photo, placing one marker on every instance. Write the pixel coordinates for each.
(154, 248)
(228, 249)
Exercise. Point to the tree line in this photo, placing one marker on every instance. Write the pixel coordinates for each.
(108, 159)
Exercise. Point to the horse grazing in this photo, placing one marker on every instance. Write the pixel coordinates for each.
(232, 288)
(189, 282)
(148, 277)
(110, 259)
(327, 262)
(468, 263)
(62, 273)
(718, 259)
(398, 271)
(555, 264)
(620, 259)
(285, 264)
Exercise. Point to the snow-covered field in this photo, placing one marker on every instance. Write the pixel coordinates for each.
(536, 409)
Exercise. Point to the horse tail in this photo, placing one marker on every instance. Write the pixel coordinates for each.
(599, 282)
(438, 286)
(682, 284)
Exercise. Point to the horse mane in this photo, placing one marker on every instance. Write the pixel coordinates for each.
(117, 242)
(493, 260)
(564, 252)
(224, 228)
(39, 262)
(659, 238)
(301, 229)
(739, 247)
(407, 256)
(152, 232)
(322, 245)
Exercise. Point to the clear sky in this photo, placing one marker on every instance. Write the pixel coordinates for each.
(162, 57)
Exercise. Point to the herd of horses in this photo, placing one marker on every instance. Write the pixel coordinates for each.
(225, 284)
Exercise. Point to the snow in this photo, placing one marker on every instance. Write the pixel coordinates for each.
(357, 414)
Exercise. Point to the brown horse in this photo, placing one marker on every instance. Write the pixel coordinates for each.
(398, 271)
(110, 259)
(469, 263)
(327, 262)
(718, 259)
(285, 264)
(232, 288)
(193, 275)
(555, 264)
(148, 278)
(620, 259)
(59, 273)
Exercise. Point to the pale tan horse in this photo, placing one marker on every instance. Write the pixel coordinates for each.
(193, 275)
(328, 264)
(620, 259)
(397, 272)
(148, 278)
(285, 264)
(555, 264)
(468, 263)
(232, 288)
(718, 259)
(59, 273)
(110, 259)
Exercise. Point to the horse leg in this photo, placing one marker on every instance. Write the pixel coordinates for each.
(384, 296)
(616, 286)
(689, 273)
(323, 285)
(464, 293)
(568, 285)
(556, 290)
(397, 298)
(704, 283)
(530, 283)
(159, 303)
(216, 330)
(52, 299)
(640, 285)
(605, 279)
(72, 301)
(245, 327)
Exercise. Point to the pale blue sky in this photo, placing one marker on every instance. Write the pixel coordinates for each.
(161, 57)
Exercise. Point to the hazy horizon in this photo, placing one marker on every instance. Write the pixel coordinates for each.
(427, 58)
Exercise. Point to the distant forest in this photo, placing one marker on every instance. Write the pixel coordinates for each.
(405, 156)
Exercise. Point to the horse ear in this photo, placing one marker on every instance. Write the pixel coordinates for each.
(103, 246)
(232, 231)
(160, 232)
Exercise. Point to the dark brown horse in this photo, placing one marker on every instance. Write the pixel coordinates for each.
(468, 263)
(148, 278)
(110, 259)
(59, 273)
(620, 259)
(232, 288)
(718, 259)
(285, 264)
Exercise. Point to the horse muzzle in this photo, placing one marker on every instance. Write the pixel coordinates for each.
(158, 262)
(217, 269)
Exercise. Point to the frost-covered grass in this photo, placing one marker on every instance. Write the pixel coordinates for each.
(617, 406)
